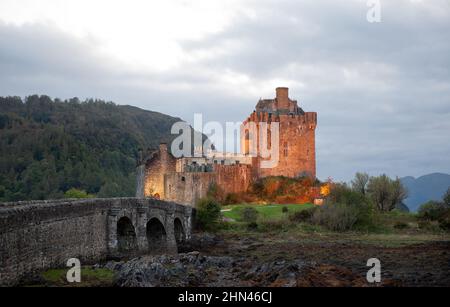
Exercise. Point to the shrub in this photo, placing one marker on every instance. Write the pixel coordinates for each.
(444, 222)
(302, 216)
(249, 215)
(232, 198)
(436, 211)
(341, 193)
(272, 225)
(284, 209)
(344, 216)
(401, 225)
(252, 226)
(76, 193)
(216, 192)
(433, 210)
(282, 189)
(427, 225)
(208, 213)
(336, 217)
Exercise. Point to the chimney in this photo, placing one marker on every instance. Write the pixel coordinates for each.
(163, 147)
(283, 97)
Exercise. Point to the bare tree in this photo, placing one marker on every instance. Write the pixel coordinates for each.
(359, 184)
(398, 193)
(385, 192)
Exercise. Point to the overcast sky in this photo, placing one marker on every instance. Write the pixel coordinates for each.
(381, 90)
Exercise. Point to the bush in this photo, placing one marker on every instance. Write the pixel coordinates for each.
(336, 217)
(344, 217)
(208, 213)
(216, 192)
(302, 216)
(433, 211)
(284, 209)
(232, 198)
(272, 225)
(401, 225)
(249, 215)
(252, 226)
(341, 193)
(444, 222)
(436, 211)
(76, 193)
(427, 225)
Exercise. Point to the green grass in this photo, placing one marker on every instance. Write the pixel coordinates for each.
(89, 277)
(395, 228)
(265, 212)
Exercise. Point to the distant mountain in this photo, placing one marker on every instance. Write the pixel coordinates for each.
(50, 146)
(425, 188)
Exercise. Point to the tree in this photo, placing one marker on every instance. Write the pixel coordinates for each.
(359, 184)
(385, 192)
(208, 213)
(446, 197)
(398, 192)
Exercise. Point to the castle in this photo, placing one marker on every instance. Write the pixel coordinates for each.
(278, 126)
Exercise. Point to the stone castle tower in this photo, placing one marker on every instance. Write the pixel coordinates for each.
(297, 154)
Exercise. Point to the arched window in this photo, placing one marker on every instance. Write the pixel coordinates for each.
(247, 142)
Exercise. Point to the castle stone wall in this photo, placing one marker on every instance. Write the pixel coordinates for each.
(188, 187)
(161, 163)
(233, 178)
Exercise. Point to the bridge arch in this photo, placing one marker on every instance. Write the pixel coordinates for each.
(156, 235)
(126, 235)
(178, 230)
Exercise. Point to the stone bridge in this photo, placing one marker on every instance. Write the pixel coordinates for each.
(37, 235)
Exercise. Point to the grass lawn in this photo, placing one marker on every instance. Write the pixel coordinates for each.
(89, 277)
(271, 211)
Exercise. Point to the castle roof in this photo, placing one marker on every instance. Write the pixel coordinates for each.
(270, 106)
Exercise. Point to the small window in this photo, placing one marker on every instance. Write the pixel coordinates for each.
(285, 149)
(183, 178)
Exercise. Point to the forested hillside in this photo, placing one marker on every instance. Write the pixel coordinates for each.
(48, 147)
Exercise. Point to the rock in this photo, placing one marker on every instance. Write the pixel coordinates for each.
(199, 241)
(188, 269)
